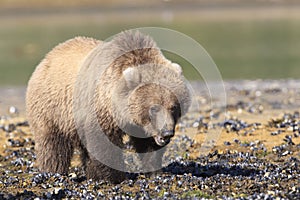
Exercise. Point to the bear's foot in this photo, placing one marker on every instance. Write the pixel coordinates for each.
(97, 171)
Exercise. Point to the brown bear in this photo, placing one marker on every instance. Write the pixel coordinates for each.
(139, 91)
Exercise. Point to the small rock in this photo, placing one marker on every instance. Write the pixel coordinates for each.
(236, 141)
(285, 153)
(13, 110)
(271, 192)
(267, 174)
(56, 190)
(227, 143)
(72, 176)
(9, 128)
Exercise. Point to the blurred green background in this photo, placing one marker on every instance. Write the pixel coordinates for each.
(246, 39)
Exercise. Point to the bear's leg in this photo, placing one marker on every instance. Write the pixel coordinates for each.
(84, 156)
(152, 161)
(97, 170)
(54, 151)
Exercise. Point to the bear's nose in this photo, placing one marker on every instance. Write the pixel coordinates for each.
(167, 133)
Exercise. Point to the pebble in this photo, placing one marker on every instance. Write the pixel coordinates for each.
(13, 110)
(72, 176)
(236, 141)
(205, 174)
(9, 128)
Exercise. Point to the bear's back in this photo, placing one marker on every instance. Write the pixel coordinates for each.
(50, 88)
(63, 61)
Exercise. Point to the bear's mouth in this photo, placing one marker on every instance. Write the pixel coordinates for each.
(162, 141)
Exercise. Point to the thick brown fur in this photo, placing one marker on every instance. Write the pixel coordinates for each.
(49, 98)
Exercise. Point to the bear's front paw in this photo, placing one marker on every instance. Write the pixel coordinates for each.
(153, 174)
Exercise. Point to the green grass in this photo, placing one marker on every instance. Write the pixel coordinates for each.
(241, 49)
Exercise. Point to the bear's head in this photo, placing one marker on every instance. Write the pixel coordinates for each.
(156, 109)
(153, 97)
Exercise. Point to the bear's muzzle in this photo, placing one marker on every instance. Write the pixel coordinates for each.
(164, 138)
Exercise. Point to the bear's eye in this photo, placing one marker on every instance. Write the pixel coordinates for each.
(153, 110)
(174, 108)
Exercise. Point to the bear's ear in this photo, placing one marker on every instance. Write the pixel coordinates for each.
(177, 68)
(132, 77)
